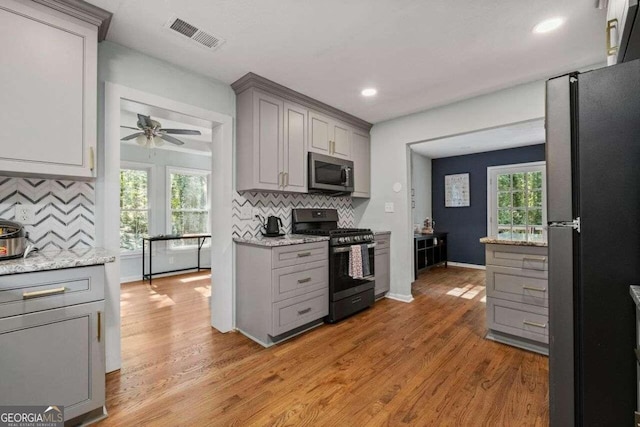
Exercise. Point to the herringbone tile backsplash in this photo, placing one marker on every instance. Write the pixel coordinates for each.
(280, 205)
(65, 216)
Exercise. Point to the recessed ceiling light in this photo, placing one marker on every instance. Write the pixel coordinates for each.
(548, 25)
(369, 92)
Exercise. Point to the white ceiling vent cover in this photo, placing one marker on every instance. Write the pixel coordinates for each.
(193, 33)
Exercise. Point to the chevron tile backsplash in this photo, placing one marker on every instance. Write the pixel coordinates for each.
(65, 216)
(280, 204)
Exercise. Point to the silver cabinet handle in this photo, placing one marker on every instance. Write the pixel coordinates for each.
(305, 280)
(286, 177)
(535, 258)
(303, 254)
(532, 288)
(348, 248)
(305, 311)
(612, 24)
(280, 179)
(381, 242)
(537, 325)
(44, 293)
(356, 300)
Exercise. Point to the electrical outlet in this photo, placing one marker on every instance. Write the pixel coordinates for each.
(255, 212)
(389, 207)
(25, 214)
(246, 212)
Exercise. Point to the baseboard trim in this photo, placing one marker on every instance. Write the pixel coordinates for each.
(465, 265)
(400, 297)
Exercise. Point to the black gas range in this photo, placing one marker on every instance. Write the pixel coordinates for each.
(347, 294)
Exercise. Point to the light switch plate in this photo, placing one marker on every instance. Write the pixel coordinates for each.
(246, 212)
(389, 207)
(25, 214)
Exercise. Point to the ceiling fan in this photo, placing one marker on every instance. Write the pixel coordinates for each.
(152, 133)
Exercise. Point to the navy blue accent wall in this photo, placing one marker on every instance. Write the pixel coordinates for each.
(467, 225)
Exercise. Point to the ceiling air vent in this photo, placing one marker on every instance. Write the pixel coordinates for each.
(193, 33)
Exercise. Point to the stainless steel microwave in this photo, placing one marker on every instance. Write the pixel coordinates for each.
(330, 175)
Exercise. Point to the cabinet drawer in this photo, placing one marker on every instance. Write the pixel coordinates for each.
(522, 320)
(31, 292)
(383, 241)
(294, 312)
(527, 257)
(286, 256)
(517, 284)
(297, 280)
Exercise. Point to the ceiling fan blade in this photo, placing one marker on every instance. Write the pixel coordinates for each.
(181, 131)
(171, 139)
(132, 136)
(129, 127)
(145, 120)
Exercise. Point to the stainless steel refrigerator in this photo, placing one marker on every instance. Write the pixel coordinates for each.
(593, 194)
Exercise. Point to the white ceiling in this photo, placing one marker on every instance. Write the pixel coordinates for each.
(199, 144)
(417, 53)
(518, 135)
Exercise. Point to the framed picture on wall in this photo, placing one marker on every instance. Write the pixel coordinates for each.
(456, 190)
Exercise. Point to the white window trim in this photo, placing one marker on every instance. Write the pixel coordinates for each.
(167, 195)
(492, 201)
(150, 168)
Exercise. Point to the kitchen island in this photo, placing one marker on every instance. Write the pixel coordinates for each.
(517, 293)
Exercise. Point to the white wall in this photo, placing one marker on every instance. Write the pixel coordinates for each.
(130, 265)
(390, 162)
(132, 69)
(421, 184)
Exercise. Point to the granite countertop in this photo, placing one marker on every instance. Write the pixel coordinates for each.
(56, 259)
(496, 241)
(378, 232)
(634, 290)
(286, 240)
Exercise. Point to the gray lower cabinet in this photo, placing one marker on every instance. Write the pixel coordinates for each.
(517, 296)
(53, 352)
(280, 290)
(382, 263)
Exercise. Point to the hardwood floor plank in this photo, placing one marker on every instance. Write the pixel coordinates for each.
(397, 364)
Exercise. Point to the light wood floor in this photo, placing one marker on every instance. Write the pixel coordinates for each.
(424, 363)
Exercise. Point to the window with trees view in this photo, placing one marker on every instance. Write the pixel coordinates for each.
(517, 202)
(188, 203)
(134, 208)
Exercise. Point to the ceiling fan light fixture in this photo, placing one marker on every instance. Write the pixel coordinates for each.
(142, 140)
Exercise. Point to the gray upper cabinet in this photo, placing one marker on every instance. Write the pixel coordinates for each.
(329, 136)
(271, 143)
(361, 150)
(276, 129)
(49, 112)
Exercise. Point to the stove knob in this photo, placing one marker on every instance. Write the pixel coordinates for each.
(357, 238)
(341, 240)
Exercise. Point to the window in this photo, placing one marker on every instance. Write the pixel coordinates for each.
(134, 206)
(188, 203)
(517, 202)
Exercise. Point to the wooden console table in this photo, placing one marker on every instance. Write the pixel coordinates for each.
(429, 250)
(164, 237)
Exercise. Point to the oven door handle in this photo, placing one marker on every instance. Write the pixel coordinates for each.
(348, 248)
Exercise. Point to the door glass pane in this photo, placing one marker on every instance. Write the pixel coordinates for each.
(519, 217)
(518, 199)
(517, 181)
(504, 182)
(504, 200)
(535, 198)
(534, 179)
(504, 217)
(534, 217)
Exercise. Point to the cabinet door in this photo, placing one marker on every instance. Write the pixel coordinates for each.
(320, 133)
(341, 141)
(267, 148)
(295, 148)
(48, 84)
(383, 277)
(361, 164)
(54, 357)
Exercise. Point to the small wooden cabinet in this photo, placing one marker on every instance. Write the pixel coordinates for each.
(361, 156)
(382, 263)
(430, 250)
(52, 340)
(329, 136)
(517, 296)
(49, 89)
(281, 290)
(272, 140)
